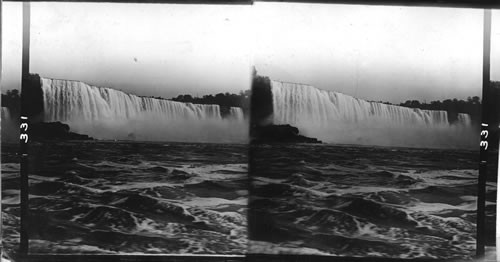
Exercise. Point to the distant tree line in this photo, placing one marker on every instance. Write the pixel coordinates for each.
(453, 107)
(471, 106)
(225, 100)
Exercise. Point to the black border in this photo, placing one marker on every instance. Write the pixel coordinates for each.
(430, 3)
(481, 4)
(211, 2)
(483, 154)
(24, 163)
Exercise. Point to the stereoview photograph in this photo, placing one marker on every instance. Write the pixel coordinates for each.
(364, 131)
(138, 132)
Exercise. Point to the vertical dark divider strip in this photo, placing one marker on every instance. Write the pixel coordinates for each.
(1, 213)
(251, 123)
(24, 236)
(481, 194)
(249, 160)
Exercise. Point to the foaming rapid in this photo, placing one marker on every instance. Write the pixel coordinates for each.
(339, 118)
(129, 198)
(106, 113)
(363, 201)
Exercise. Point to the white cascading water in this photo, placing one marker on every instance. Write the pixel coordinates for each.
(338, 118)
(5, 114)
(236, 113)
(106, 113)
(464, 119)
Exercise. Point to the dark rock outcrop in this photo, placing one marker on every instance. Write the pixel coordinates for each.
(280, 134)
(32, 97)
(53, 131)
(261, 102)
(262, 129)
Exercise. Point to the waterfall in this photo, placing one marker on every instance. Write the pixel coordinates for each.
(235, 113)
(338, 118)
(5, 114)
(106, 113)
(464, 119)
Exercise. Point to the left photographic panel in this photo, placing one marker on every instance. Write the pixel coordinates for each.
(10, 83)
(139, 128)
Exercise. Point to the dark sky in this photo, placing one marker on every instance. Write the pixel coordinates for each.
(372, 52)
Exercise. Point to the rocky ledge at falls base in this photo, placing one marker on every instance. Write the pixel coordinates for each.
(54, 131)
(280, 134)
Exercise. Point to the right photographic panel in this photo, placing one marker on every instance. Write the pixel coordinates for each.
(365, 131)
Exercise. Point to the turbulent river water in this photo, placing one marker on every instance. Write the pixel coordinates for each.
(130, 197)
(363, 201)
